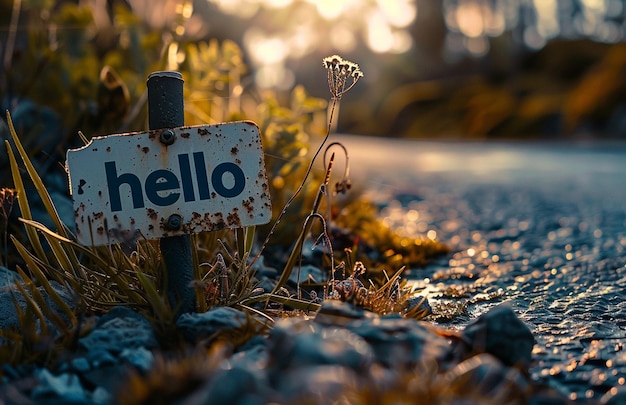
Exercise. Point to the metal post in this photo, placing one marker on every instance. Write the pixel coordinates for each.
(165, 111)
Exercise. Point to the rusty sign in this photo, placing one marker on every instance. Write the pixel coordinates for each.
(168, 182)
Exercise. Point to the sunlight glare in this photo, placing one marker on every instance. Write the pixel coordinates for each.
(470, 19)
(547, 18)
(277, 3)
(274, 77)
(399, 13)
(329, 9)
(342, 38)
(379, 34)
(301, 42)
(402, 41)
(265, 50)
(243, 9)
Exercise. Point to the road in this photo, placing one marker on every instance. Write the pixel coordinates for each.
(542, 223)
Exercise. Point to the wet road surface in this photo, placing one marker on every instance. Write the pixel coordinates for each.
(540, 225)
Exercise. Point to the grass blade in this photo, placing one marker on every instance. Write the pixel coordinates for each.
(22, 201)
(39, 186)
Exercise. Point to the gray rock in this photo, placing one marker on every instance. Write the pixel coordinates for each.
(118, 330)
(501, 333)
(234, 385)
(63, 388)
(141, 358)
(306, 272)
(484, 376)
(8, 278)
(196, 327)
(80, 364)
(11, 295)
(400, 342)
(322, 384)
(339, 313)
(298, 343)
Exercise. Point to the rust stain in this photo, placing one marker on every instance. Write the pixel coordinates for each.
(248, 204)
(234, 150)
(108, 149)
(233, 218)
(152, 214)
(203, 131)
(145, 149)
(185, 135)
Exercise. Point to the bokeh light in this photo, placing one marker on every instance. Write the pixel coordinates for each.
(313, 26)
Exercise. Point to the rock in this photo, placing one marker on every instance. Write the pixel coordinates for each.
(252, 355)
(80, 364)
(501, 333)
(196, 327)
(8, 278)
(118, 330)
(296, 343)
(8, 314)
(305, 273)
(234, 385)
(400, 342)
(140, 358)
(338, 313)
(484, 376)
(64, 388)
(322, 384)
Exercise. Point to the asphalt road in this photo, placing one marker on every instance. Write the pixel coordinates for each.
(543, 224)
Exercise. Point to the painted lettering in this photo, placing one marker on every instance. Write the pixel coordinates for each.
(163, 187)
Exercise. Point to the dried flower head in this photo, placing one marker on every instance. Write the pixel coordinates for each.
(342, 74)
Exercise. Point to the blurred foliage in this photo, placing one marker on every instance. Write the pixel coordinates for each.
(567, 89)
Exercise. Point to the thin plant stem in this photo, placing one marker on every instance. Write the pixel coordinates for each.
(339, 72)
(301, 186)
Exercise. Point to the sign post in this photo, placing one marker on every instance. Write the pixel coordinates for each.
(166, 110)
(169, 182)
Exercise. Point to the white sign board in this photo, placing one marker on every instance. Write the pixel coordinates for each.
(211, 177)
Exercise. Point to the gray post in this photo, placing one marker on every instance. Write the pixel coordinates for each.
(166, 111)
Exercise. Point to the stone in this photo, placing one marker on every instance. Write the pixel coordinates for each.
(234, 385)
(484, 376)
(400, 342)
(8, 278)
(339, 313)
(501, 333)
(295, 343)
(10, 295)
(196, 327)
(305, 273)
(321, 384)
(140, 358)
(63, 388)
(118, 330)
